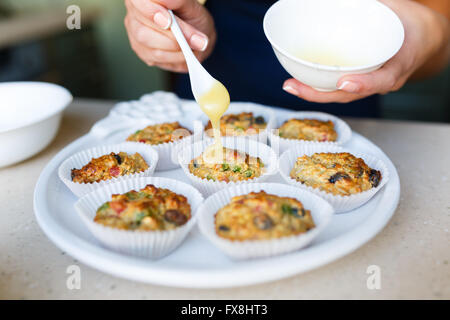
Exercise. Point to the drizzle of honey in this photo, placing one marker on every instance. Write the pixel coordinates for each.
(214, 103)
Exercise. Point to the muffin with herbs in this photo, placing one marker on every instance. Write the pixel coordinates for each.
(262, 216)
(231, 166)
(148, 209)
(109, 166)
(160, 133)
(308, 129)
(239, 124)
(336, 173)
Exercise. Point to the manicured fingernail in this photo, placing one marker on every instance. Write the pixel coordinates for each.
(161, 20)
(199, 42)
(349, 86)
(289, 89)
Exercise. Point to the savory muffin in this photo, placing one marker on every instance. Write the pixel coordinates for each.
(150, 208)
(240, 124)
(109, 166)
(260, 216)
(337, 173)
(232, 165)
(160, 133)
(308, 129)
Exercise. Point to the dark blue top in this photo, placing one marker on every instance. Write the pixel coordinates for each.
(243, 60)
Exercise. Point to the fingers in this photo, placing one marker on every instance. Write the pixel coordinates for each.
(147, 24)
(177, 67)
(149, 37)
(156, 56)
(388, 78)
(155, 16)
(154, 13)
(186, 8)
(383, 80)
(307, 93)
(196, 39)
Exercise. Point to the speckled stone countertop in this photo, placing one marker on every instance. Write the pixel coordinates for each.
(412, 251)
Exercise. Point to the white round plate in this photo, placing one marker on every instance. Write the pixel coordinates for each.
(197, 263)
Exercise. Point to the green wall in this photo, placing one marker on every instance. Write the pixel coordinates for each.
(127, 76)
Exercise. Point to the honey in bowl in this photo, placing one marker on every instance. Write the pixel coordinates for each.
(214, 103)
(326, 57)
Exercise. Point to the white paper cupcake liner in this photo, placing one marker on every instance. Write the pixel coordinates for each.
(167, 161)
(321, 212)
(238, 107)
(166, 150)
(147, 244)
(282, 144)
(339, 203)
(251, 147)
(82, 158)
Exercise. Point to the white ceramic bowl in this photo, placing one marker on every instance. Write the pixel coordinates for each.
(355, 36)
(30, 117)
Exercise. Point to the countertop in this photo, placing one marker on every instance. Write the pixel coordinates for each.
(412, 251)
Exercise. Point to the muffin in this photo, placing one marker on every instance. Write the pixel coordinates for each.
(160, 133)
(262, 216)
(109, 166)
(148, 209)
(240, 124)
(308, 129)
(336, 173)
(233, 165)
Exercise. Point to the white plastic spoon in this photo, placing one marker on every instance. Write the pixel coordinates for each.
(209, 93)
(201, 80)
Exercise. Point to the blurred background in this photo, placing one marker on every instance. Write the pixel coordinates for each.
(97, 61)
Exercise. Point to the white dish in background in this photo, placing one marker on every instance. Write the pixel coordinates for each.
(31, 114)
(361, 35)
(197, 263)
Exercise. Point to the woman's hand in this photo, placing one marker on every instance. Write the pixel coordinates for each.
(426, 40)
(147, 23)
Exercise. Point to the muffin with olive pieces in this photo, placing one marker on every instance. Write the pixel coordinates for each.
(109, 166)
(232, 166)
(244, 123)
(308, 129)
(262, 216)
(337, 173)
(148, 209)
(160, 133)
